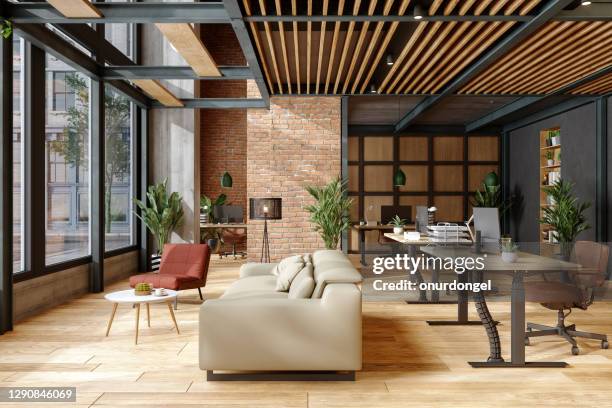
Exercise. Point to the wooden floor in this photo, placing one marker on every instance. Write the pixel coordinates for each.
(406, 362)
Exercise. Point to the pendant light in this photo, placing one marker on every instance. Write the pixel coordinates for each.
(399, 178)
(226, 180)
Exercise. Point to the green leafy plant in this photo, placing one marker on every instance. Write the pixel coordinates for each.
(490, 195)
(6, 28)
(330, 212)
(161, 213)
(565, 216)
(509, 246)
(207, 204)
(549, 155)
(397, 222)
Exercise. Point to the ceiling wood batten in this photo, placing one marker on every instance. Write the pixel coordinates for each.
(76, 8)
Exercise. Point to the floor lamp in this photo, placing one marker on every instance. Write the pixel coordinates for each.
(265, 209)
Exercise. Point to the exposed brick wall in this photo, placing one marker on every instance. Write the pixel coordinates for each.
(295, 143)
(223, 131)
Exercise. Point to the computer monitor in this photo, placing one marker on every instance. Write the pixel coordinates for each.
(422, 218)
(387, 212)
(486, 220)
(228, 213)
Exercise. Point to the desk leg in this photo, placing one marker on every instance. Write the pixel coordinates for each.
(517, 333)
(462, 308)
(362, 247)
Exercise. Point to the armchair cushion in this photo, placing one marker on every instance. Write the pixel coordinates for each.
(174, 282)
(185, 259)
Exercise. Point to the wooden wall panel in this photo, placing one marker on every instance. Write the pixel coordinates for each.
(378, 178)
(413, 148)
(353, 148)
(375, 203)
(450, 208)
(483, 148)
(476, 174)
(377, 148)
(448, 148)
(353, 178)
(416, 178)
(448, 178)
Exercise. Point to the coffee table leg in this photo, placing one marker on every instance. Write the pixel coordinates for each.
(137, 319)
(148, 315)
(110, 322)
(173, 318)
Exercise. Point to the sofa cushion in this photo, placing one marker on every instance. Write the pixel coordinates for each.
(252, 285)
(332, 266)
(286, 262)
(303, 284)
(287, 275)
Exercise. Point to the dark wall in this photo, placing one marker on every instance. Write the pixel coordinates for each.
(578, 139)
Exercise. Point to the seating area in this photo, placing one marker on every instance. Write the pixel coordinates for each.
(382, 203)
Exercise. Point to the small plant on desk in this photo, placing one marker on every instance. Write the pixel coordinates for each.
(398, 225)
(509, 252)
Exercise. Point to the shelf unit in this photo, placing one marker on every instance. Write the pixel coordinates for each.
(548, 170)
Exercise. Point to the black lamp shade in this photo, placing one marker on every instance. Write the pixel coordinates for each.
(226, 180)
(399, 178)
(258, 207)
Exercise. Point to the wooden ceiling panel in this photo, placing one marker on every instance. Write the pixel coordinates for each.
(76, 8)
(157, 91)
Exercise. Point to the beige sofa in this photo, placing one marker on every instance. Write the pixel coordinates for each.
(253, 327)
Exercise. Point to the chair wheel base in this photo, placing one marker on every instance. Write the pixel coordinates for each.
(604, 344)
(575, 350)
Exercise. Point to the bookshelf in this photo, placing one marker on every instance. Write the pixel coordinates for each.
(550, 171)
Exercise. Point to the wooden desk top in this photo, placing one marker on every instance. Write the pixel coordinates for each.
(225, 226)
(381, 227)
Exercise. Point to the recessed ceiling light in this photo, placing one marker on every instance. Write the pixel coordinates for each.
(373, 89)
(586, 3)
(390, 59)
(418, 12)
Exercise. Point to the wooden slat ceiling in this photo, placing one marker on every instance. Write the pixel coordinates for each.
(600, 86)
(341, 58)
(76, 8)
(556, 55)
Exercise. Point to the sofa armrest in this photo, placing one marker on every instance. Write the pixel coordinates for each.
(283, 334)
(256, 269)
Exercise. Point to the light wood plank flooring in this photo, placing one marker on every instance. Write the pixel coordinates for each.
(406, 362)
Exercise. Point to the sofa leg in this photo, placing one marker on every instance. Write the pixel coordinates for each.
(200, 292)
(282, 376)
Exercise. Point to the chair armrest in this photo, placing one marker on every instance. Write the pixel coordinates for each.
(256, 269)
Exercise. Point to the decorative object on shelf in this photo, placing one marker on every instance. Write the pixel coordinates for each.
(509, 251)
(330, 212)
(490, 196)
(161, 213)
(556, 137)
(559, 157)
(399, 178)
(566, 216)
(142, 289)
(398, 224)
(226, 180)
(6, 28)
(549, 158)
(549, 138)
(268, 208)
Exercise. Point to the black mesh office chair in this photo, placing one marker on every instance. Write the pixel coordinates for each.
(577, 292)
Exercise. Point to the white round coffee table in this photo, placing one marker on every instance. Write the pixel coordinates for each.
(128, 296)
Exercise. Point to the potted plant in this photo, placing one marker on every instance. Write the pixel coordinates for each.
(566, 216)
(509, 251)
(330, 212)
(556, 137)
(398, 225)
(549, 158)
(490, 196)
(207, 205)
(161, 212)
(6, 28)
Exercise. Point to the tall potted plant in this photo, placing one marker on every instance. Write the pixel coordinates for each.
(490, 194)
(565, 216)
(330, 212)
(161, 212)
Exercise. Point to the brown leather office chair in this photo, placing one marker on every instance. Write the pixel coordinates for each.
(233, 237)
(578, 292)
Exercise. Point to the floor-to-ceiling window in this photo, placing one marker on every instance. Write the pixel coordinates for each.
(118, 169)
(67, 162)
(17, 156)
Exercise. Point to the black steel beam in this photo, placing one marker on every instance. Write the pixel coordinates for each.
(97, 203)
(143, 183)
(216, 103)
(558, 109)
(381, 18)
(173, 72)
(89, 39)
(233, 10)
(6, 185)
(172, 12)
(552, 8)
(34, 141)
(527, 101)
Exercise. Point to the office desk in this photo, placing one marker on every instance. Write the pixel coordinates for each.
(362, 229)
(526, 264)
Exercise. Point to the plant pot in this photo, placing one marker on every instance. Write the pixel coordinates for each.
(214, 245)
(155, 262)
(509, 257)
(556, 140)
(398, 230)
(550, 162)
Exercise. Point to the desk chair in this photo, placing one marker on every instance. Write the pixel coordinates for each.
(233, 237)
(561, 296)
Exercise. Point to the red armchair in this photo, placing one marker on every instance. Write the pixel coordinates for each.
(183, 266)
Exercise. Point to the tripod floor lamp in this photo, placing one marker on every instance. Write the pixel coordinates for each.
(265, 209)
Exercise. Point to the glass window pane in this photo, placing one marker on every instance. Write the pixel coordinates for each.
(67, 156)
(17, 157)
(120, 35)
(119, 218)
